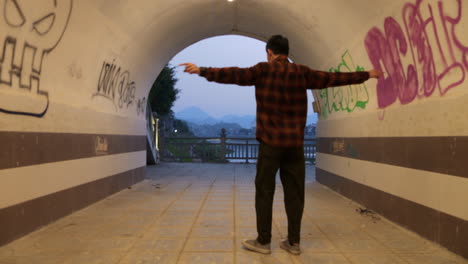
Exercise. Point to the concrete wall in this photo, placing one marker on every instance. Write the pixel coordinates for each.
(74, 79)
(399, 145)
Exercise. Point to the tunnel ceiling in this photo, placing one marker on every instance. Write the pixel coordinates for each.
(158, 30)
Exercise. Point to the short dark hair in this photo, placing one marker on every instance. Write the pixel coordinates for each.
(278, 44)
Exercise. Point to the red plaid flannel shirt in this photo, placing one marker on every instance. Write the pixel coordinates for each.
(280, 92)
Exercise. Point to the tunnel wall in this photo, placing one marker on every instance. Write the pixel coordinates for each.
(399, 145)
(74, 79)
(71, 113)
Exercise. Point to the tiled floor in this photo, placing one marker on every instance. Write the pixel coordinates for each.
(199, 213)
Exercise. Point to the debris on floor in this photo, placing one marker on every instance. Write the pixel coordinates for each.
(367, 212)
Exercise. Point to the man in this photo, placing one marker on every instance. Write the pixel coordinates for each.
(280, 92)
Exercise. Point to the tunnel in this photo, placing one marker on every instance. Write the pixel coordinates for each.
(75, 77)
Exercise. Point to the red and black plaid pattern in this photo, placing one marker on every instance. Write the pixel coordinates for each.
(280, 92)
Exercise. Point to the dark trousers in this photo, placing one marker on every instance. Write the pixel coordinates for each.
(291, 163)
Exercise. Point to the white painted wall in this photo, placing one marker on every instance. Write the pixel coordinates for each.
(439, 113)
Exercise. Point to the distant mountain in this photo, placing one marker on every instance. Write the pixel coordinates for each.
(246, 121)
(199, 117)
(215, 130)
(195, 115)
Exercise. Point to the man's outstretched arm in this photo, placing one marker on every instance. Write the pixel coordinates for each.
(321, 79)
(229, 75)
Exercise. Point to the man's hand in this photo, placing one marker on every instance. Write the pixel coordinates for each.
(190, 68)
(375, 73)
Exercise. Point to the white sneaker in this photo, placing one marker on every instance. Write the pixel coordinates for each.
(254, 245)
(293, 249)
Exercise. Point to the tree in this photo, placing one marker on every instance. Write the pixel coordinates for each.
(163, 92)
(182, 128)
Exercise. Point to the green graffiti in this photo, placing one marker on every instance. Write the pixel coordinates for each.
(344, 98)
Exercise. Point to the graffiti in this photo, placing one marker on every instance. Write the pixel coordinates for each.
(347, 98)
(115, 85)
(141, 106)
(338, 146)
(423, 55)
(101, 145)
(28, 32)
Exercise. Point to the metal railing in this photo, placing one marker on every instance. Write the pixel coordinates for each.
(151, 136)
(220, 149)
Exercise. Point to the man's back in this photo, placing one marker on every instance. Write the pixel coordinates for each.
(280, 92)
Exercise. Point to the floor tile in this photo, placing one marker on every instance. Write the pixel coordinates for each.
(228, 214)
(211, 222)
(216, 207)
(309, 231)
(95, 257)
(410, 245)
(206, 258)
(375, 259)
(149, 257)
(309, 258)
(174, 222)
(198, 215)
(34, 259)
(159, 245)
(59, 242)
(246, 257)
(317, 245)
(338, 230)
(212, 232)
(434, 258)
(246, 221)
(349, 244)
(211, 245)
(167, 232)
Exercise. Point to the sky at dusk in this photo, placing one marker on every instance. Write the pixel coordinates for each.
(219, 99)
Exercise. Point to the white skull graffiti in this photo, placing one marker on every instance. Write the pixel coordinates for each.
(29, 29)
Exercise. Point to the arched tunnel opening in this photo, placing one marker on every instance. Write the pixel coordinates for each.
(188, 108)
(75, 76)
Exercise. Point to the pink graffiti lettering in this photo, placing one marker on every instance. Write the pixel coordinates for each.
(424, 55)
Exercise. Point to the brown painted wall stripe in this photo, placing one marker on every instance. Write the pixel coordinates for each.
(446, 230)
(19, 149)
(21, 219)
(447, 155)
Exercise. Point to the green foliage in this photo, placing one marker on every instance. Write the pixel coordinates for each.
(191, 149)
(163, 92)
(208, 152)
(182, 128)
